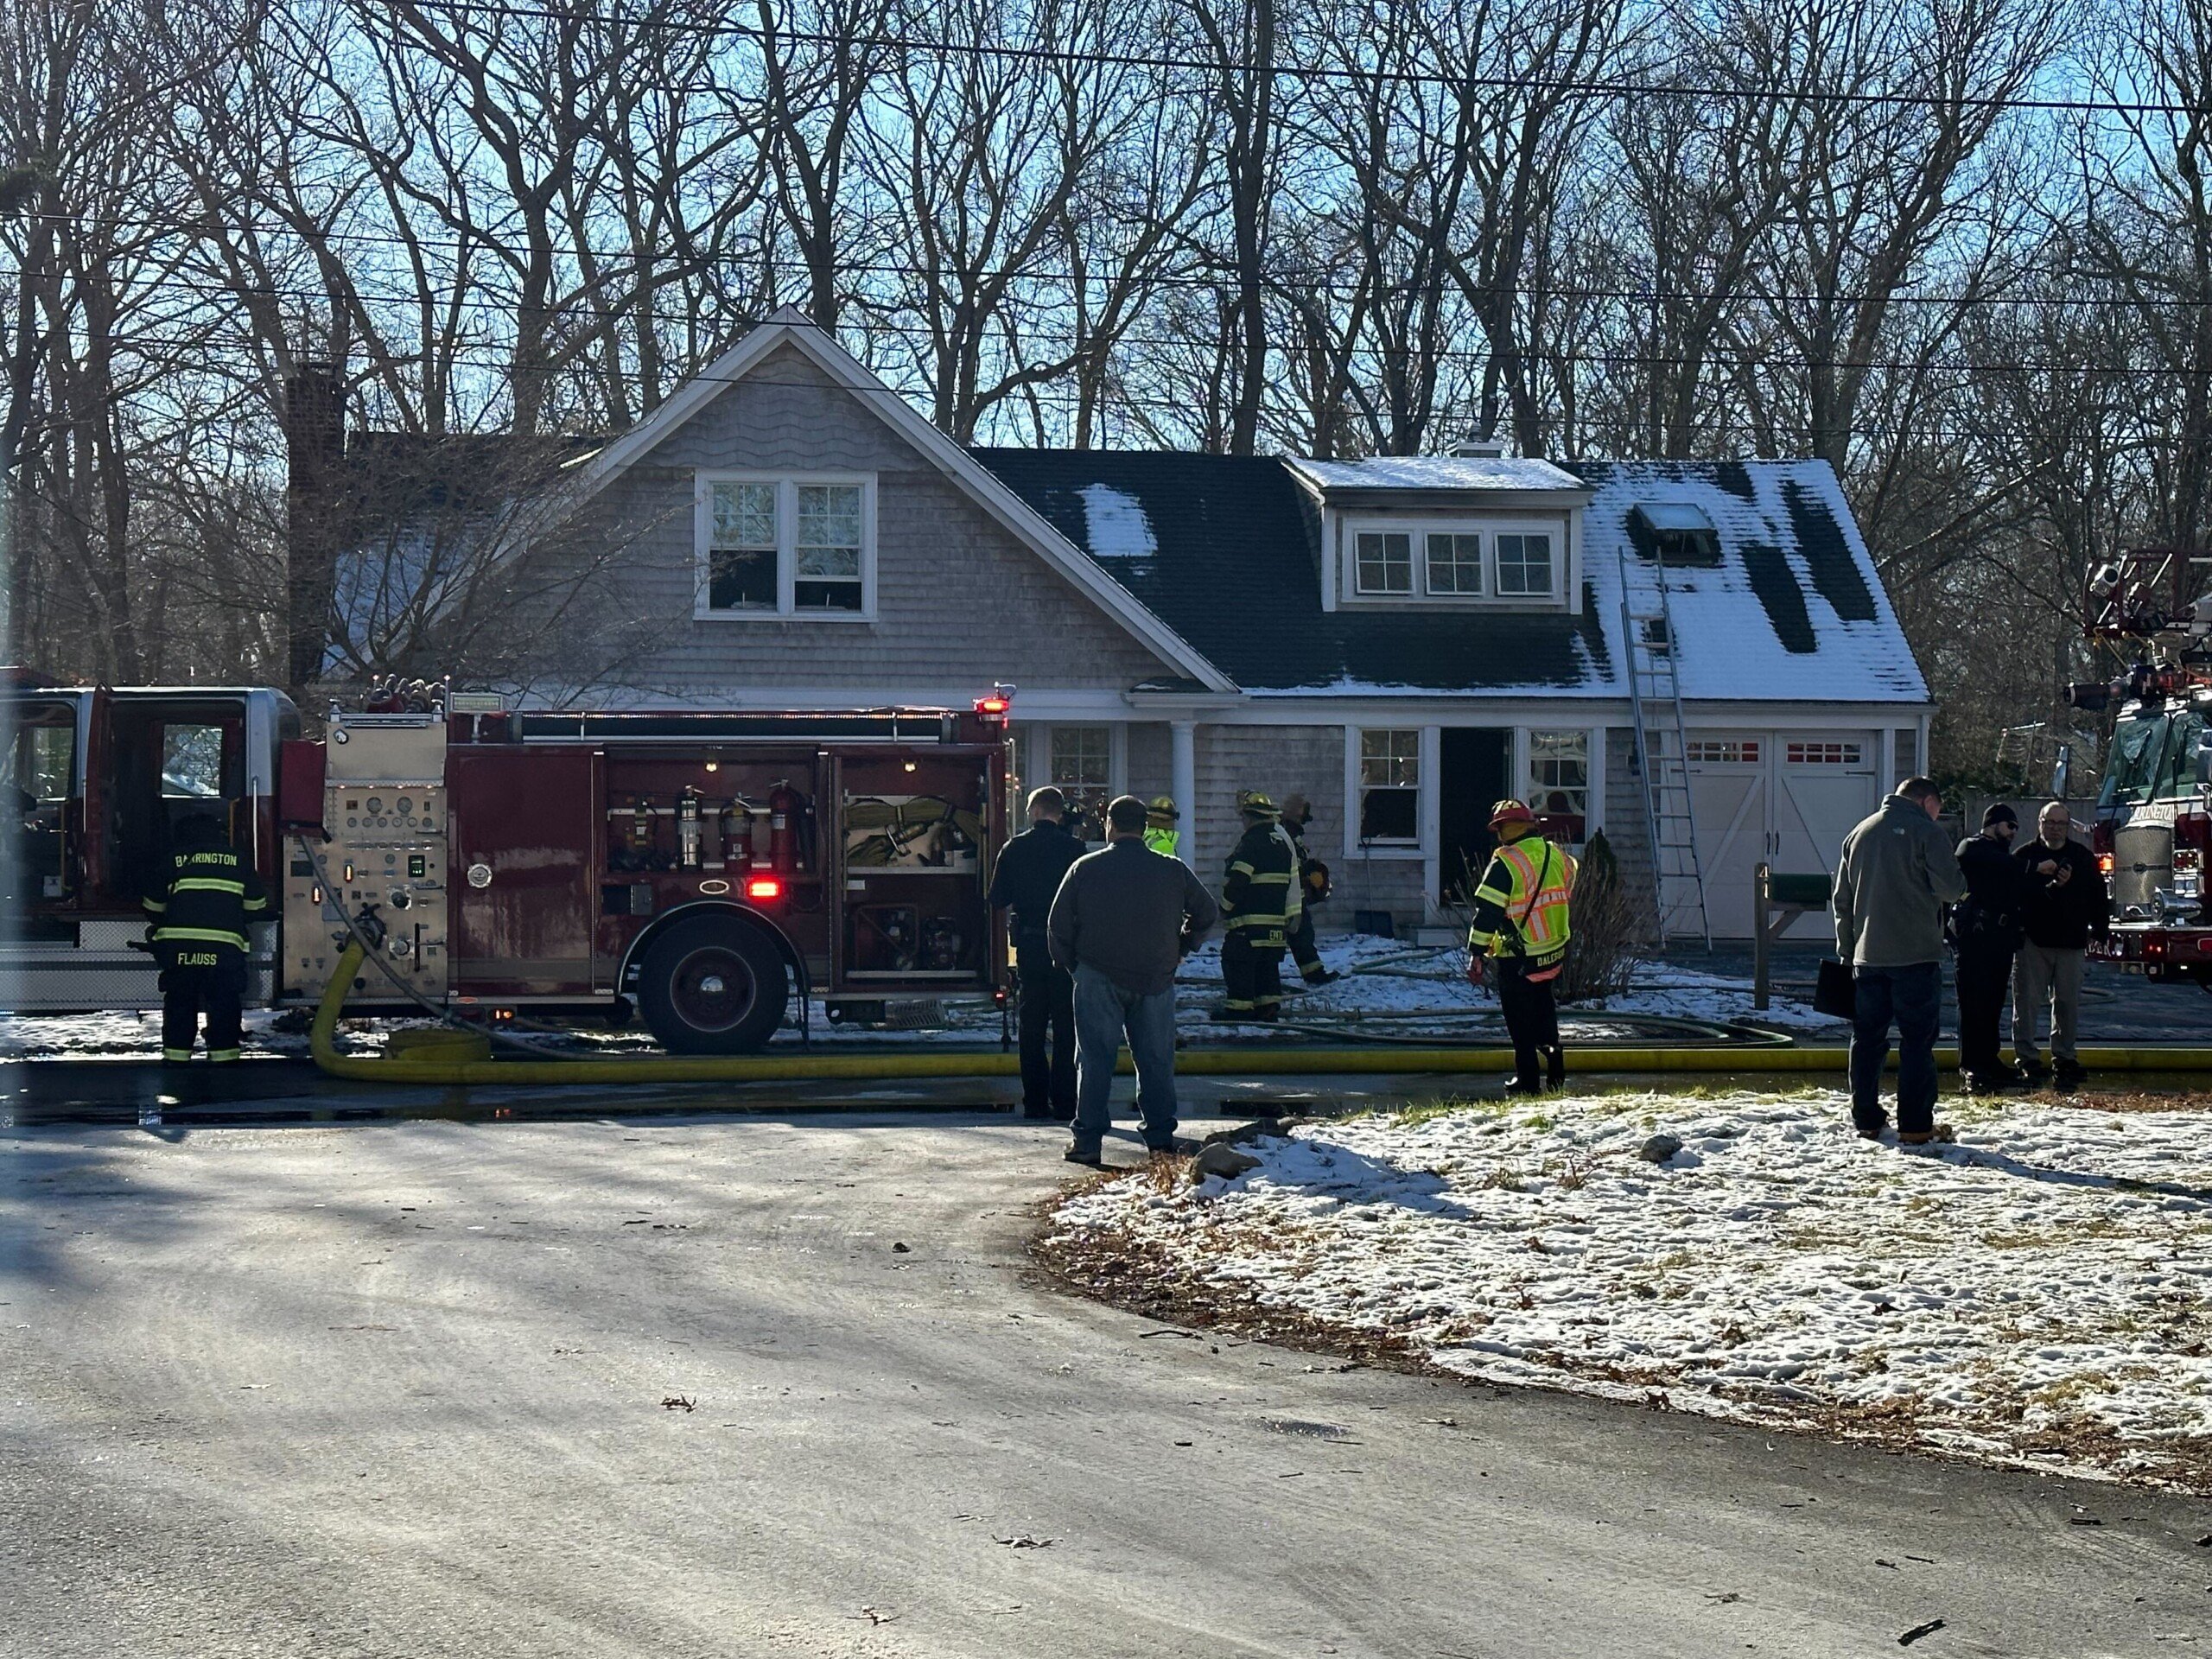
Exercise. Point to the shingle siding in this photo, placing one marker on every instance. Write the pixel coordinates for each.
(958, 598)
(1627, 821)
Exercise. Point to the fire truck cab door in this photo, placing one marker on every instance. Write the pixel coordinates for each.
(523, 822)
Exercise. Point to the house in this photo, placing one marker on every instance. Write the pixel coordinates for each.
(1403, 640)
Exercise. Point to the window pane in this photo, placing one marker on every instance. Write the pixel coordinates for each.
(1390, 814)
(829, 561)
(830, 515)
(1455, 563)
(1082, 755)
(840, 595)
(1558, 772)
(742, 579)
(192, 762)
(1390, 759)
(1524, 566)
(1386, 561)
(745, 515)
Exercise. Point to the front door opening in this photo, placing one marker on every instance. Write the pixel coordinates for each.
(1474, 764)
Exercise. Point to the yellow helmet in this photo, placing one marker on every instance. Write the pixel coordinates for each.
(1257, 802)
(1161, 812)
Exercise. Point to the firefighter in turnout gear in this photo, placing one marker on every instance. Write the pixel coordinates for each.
(197, 928)
(1521, 927)
(1312, 887)
(1260, 906)
(1159, 832)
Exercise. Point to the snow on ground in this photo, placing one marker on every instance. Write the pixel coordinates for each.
(1391, 990)
(2036, 1293)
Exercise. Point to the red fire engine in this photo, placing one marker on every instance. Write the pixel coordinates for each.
(2153, 829)
(702, 867)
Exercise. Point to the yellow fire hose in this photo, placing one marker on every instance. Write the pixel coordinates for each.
(451, 1059)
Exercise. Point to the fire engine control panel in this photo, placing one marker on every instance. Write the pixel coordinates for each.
(384, 818)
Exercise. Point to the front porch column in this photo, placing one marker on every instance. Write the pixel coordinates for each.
(1183, 783)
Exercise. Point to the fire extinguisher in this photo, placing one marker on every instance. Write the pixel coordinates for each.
(737, 836)
(687, 828)
(783, 804)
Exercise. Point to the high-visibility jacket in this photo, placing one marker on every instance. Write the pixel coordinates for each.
(1520, 908)
(1163, 842)
(211, 894)
(1260, 897)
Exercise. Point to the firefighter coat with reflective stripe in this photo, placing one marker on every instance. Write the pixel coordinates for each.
(210, 896)
(1520, 908)
(1259, 899)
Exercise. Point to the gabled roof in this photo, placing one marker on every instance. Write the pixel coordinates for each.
(1227, 550)
(791, 327)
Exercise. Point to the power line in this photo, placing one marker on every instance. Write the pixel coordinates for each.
(1611, 88)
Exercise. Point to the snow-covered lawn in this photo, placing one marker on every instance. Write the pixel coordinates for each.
(1390, 990)
(2037, 1292)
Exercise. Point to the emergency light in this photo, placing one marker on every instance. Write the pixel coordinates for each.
(763, 886)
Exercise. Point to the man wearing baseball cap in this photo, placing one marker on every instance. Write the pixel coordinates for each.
(1520, 925)
(1985, 933)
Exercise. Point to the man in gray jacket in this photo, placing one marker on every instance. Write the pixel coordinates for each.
(1897, 874)
(1122, 920)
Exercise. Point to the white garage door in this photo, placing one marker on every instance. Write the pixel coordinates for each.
(1783, 798)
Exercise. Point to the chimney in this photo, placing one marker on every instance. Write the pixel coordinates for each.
(315, 453)
(1479, 449)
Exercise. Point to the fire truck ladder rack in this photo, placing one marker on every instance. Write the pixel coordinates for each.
(1662, 746)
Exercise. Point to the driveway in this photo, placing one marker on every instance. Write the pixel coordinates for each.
(670, 1386)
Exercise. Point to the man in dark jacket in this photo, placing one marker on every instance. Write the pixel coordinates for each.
(197, 926)
(1030, 869)
(1896, 873)
(2065, 901)
(1123, 919)
(1986, 931)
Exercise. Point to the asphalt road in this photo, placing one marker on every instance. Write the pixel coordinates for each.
(397, 1390)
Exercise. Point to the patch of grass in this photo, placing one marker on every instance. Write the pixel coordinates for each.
(1413, 1114)
(1505, 1178)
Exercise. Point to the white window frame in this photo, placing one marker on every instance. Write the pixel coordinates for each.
(1531, 790)
(1558, 531)
(1424, 794)
(787, 486)
(1037, 738)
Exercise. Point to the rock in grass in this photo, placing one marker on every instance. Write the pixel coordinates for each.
(1223, 1159)
(1659, 1148)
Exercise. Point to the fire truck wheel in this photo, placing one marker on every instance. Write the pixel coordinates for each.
(713, 986)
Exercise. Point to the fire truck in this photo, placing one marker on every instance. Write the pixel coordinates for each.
(2152, 828)
(703, 868)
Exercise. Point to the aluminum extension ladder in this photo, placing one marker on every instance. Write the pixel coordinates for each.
(1656, 694)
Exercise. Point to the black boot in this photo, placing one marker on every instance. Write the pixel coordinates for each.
(1555, 1069)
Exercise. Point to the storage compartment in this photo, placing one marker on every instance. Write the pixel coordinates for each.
(913, 869)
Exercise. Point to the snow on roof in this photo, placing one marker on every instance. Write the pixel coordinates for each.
(1438, 473)
(1118, 528)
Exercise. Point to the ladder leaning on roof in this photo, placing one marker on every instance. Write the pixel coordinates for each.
(1662, 747)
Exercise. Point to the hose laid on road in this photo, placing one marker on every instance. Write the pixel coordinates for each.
(461, 1070)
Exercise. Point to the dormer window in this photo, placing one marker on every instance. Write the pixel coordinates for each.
(1509, 561)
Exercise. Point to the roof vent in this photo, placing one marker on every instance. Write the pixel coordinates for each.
(1479, 449)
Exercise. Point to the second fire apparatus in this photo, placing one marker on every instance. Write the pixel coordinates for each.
(2153, 830)
(704, 868)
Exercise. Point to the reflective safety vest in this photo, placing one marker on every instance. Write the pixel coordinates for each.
(1532, 888)
(207, 903)
(1163, 842)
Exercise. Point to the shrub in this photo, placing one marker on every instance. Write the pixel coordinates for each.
(1601, 952)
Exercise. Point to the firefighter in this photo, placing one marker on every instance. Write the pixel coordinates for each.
(1259, 906)
(197, 928)
(1160, 820)
(1312, 888)
(1521, 927)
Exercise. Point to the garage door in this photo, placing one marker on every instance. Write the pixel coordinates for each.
(1783, 798)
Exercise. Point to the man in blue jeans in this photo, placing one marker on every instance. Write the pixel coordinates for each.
(1124, 917)
(1897, 874)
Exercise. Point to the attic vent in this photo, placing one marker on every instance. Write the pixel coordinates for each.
(1479, 449)
(1674, 533)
